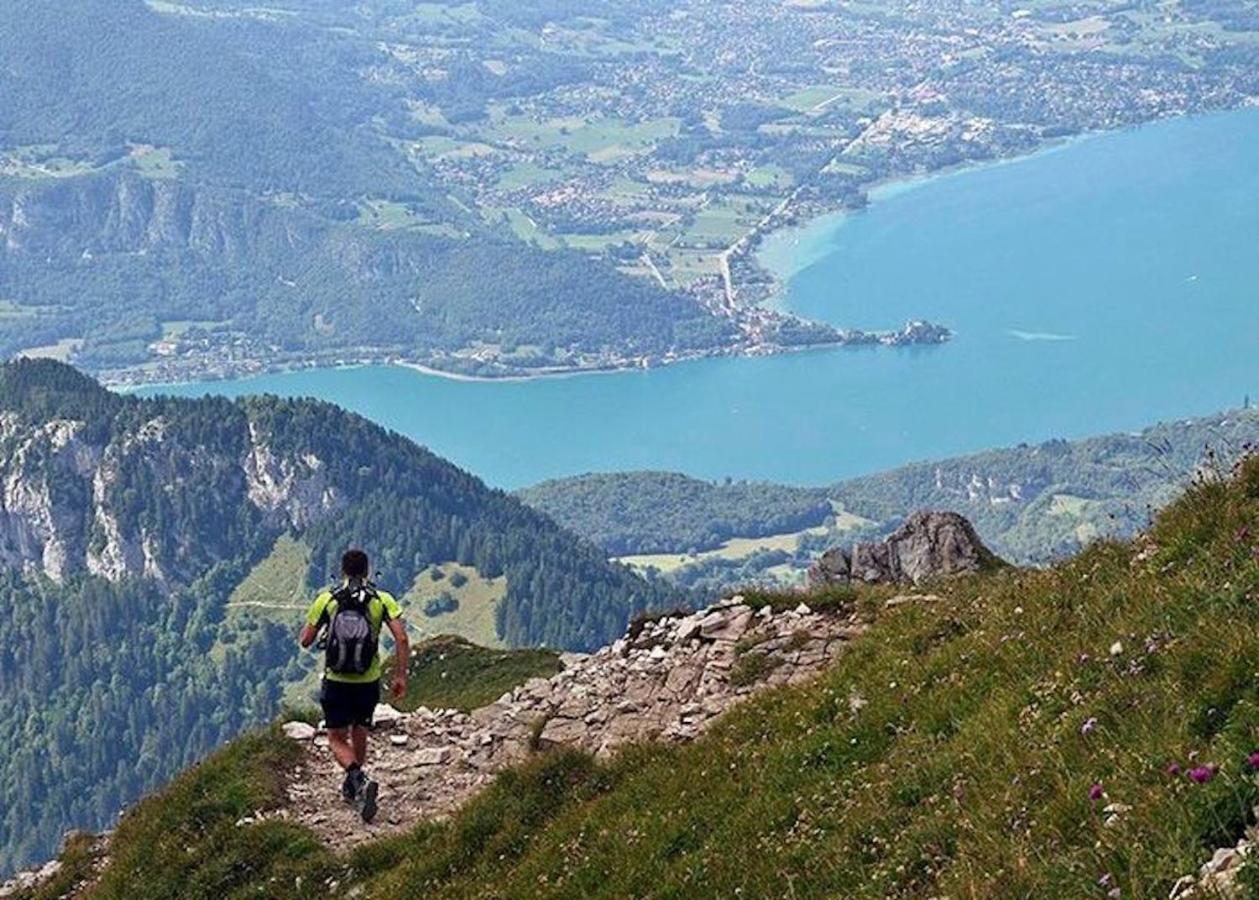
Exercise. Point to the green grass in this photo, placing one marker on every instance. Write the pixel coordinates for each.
(11, 310)
(452, 673)
(278, 582)
(185, 841)
(963, 772)
(598, 139)
(478, 599)
(733, 549)
(178, 327)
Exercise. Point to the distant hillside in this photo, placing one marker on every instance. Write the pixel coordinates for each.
(1086, 730)
(664, 512)
(1030, 503)
(125, 526)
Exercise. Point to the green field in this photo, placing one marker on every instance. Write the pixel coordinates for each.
(819, 97)
(278, 582)
(477, 597)
(11, 310)
(61, 351)
(154, 162)
(598, 139)
(527, 174)
(177, 327)
(733, 549)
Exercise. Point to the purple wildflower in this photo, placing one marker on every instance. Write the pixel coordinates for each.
(1173, 769)
(1201, 774)
(1095, 792)
(1089, 726)
(1253, 759)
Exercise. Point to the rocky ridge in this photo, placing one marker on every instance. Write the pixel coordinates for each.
(667, 679)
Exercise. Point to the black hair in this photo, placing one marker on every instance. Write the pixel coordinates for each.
(354, 564)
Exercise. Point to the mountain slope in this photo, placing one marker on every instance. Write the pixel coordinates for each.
(125, 524)
(1029, 734)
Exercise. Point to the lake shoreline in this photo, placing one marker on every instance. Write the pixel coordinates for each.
(783, 265)
(1045, 239)
(783, 252)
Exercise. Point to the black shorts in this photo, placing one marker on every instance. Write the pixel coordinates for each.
(346, 704)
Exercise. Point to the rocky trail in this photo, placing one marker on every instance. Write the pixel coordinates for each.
(666, 680)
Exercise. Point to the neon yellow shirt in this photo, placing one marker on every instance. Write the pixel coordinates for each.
(380, 609)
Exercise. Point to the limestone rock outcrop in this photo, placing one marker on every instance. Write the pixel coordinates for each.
(928, 545)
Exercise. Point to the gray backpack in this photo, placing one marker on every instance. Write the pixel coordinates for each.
(351, 645)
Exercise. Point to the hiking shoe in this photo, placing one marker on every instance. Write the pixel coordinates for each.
(367, 800)
(353, 785)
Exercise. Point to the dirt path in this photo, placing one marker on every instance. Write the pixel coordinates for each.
(669, 681)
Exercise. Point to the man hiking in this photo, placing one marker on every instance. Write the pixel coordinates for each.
(353, 615)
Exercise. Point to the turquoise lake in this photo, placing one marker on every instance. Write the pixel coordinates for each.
(1099, 286)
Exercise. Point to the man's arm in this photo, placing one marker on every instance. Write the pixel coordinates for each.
(401, 656)
(314, 619)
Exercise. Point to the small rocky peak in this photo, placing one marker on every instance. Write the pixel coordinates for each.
(928, 545)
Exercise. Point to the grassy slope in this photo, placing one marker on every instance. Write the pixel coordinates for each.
(478, 598)
(965, 773)
(451, 673)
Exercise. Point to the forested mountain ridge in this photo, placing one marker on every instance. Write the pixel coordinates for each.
(1031, 503)
(126, 523)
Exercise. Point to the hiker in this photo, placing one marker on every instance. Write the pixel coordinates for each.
(353, 615)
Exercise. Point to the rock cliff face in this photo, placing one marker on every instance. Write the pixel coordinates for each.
(928, 545)
(667, 680)
(123, 212)
(65, 496)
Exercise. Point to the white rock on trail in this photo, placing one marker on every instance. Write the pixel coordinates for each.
(299, 731)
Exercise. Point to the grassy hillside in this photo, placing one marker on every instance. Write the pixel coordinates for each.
(1015, 739)
(451, 673)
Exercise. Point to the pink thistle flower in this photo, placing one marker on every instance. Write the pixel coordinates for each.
(1253, 759)
(1173, 769)
(1095, 792)
(1202, 774)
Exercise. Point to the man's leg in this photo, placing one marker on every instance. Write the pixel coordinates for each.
(343, 746)
(358, 735)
